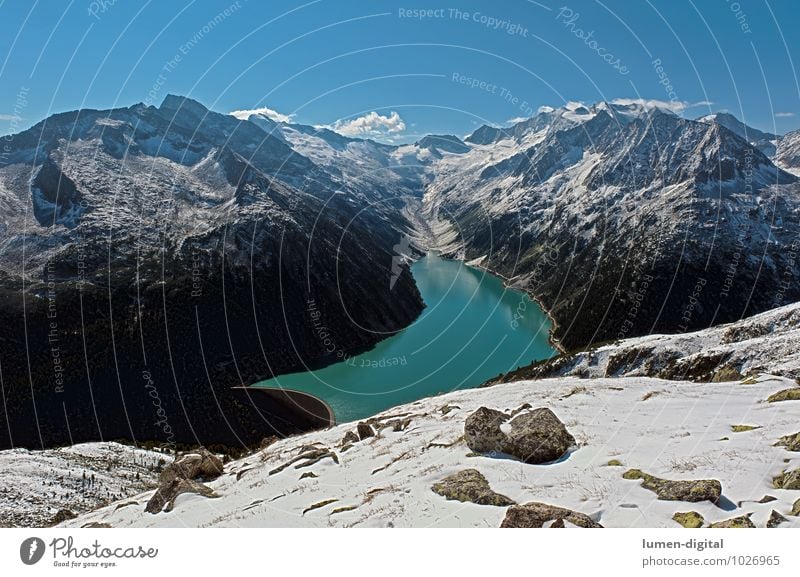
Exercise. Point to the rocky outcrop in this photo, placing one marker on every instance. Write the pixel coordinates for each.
(471, 486)
(785, 395)
(535, 515)
(742, 522)
(689, 491)
(791, 442)
(689, 520)
(537, 436)
(364, 431)
(775, 519)
(787, 480)
(185, 475)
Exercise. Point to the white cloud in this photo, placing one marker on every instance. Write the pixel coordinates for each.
(268, 112)
(516, 120)
(371, 124)
(676, 106)
(9, 118)
(784, 114)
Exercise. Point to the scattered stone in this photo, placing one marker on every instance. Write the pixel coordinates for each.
(447, 408)
(689, 520)
(742, 522)
(311, 456)
(791, 442)
(344, 509)
(775, 519)
(471, 486)
(796, 509)
(537, 436)
(364, 431)
(744, 428)
(726, 374)
(535, 515)
(185, 475)
(614, 463)
(667, 490)
(349, 438)
(785, 395)
(96, 525)
(308, 475)
(787, 480)
(319, 505)
(767, 499)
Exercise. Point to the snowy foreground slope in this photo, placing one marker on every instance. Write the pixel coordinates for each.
(673, 430)
(37, 485)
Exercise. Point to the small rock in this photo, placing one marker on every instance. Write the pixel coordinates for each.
(787, 480)
(535, 515)
(183, 476)
(689, 491)
(308, 475)
(365, 431)
(791, 442)
(785, 395)
(349, 438)
(267, 441)
(471, 486)
(96, 525)
(796, 509)
(742, 522)
(767, 499)
(775, 519)
(689, 520)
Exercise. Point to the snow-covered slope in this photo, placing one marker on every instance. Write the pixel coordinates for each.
(765, 343)
(787, 155)
(667, 429)
(37, 485)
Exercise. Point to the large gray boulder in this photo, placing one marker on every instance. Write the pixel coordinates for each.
(536, 436)
(535, 515)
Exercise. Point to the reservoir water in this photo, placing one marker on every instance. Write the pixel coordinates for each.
(472, 329)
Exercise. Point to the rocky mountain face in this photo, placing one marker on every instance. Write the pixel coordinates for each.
(152, 258)
(764, 141)
(787, 154)
(623, 220)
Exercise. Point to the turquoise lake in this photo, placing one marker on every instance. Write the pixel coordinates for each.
(472, 329)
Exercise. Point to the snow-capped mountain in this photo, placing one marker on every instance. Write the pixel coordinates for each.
(787, 155)
(154, 257)
(412, 466)
(623, 219)
(764, 141)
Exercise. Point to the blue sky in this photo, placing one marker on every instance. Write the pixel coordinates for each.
(439, 71)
